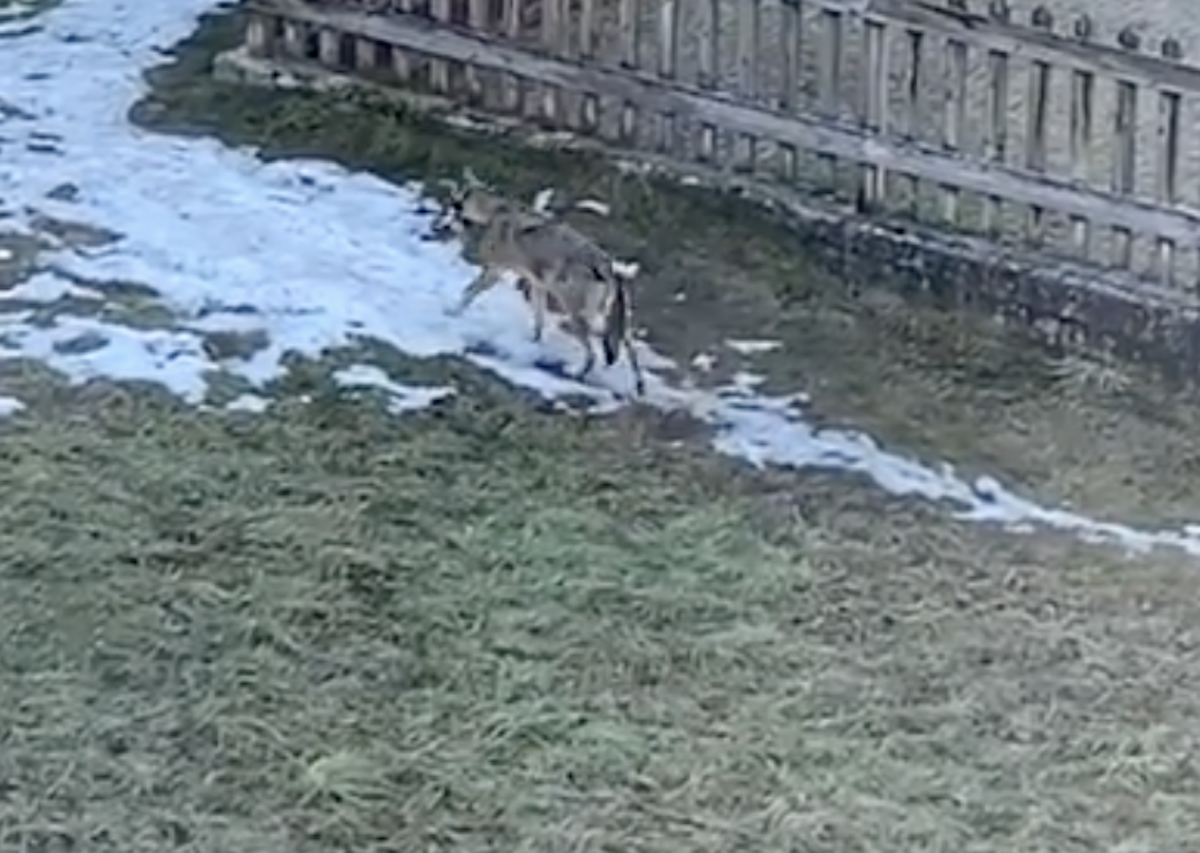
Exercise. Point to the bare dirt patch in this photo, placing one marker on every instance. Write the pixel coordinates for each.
(18, 257)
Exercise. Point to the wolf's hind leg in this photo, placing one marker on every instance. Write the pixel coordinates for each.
(538, 297)
(580, 330)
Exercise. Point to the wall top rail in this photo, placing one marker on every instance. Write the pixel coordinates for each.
(1017, 40)
(940, 167)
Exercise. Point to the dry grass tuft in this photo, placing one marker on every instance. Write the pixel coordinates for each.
(1080, 376)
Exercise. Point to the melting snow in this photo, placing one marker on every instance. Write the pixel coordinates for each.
(316, 256)
(752, 347)
(10, 405)
(401, 398)
(248, 403)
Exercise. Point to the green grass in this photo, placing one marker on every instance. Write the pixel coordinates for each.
(483, 628)
(487, 627)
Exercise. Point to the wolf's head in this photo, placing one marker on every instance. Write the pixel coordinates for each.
(468, 202)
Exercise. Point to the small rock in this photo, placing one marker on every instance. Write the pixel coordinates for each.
(225, 345)
(82, 344)
(77, 235)
(64, 192)
(12, 111)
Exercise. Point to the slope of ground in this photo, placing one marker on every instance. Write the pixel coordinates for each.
(1097, 437)
(486, 625)
(482, 628)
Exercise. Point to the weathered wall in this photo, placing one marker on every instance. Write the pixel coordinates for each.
(1066, 303)
(1152, 21)
(1068, 307)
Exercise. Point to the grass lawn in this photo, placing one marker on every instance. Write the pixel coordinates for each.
(488, 627)
(484, 628)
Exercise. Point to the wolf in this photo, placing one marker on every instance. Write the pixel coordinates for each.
(555, 264)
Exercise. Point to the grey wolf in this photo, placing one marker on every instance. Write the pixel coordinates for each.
(556, 265)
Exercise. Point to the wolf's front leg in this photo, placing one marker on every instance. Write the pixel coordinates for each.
(486, 280)
(538, 296)
(639, 378)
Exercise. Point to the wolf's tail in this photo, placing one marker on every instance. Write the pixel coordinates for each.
(616, 326)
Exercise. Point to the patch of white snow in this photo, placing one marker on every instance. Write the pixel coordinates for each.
(317, 256)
